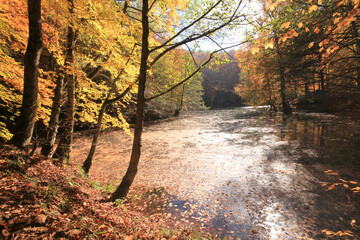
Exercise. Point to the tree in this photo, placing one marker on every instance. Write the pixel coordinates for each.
(65, 144)
(167, 46)
(26, 122)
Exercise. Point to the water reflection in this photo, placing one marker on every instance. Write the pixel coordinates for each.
(246, 173)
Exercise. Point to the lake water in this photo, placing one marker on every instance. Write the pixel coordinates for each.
(245, 173)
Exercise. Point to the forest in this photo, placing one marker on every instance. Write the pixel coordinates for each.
(82, 81)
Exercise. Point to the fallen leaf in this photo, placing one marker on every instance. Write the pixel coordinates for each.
(128, 237)
(332, 186)
(353, 222)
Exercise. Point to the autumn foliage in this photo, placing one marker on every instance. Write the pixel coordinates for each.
(317, 45)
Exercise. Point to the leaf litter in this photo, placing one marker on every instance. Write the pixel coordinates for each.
(40, 200)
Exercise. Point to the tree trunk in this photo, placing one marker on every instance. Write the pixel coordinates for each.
(285, 103)
(87, 163)
(64, 148)
(26, 122)
(179, 108)
(129, 177)
(48, 146)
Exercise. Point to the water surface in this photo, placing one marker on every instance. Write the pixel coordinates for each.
(246, 173)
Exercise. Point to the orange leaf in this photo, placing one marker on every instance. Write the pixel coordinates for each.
(313, 8)
(128, 237)
(348, 197)
(352, 222)
(285, 25)
(319, 2)
(324, 184)
(300, 25)
(337, 20)
(332, 186)
(307, 29)
(311, 44)
(345, 185)
(352, 182)
(271, 6)
(317, 30)
(268, 2)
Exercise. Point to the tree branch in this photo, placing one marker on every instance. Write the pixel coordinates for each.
(192, 74)
(196, 37)
(187, 27)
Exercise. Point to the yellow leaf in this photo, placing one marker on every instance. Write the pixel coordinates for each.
(332, 186)
(319, 2)
(255, 50)
(269, 45)
(313, 8)
(300, 25)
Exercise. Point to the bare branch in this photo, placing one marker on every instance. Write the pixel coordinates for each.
(188, 26)
(231, 57)
(196, 37)
(152, 4)
(192, 55)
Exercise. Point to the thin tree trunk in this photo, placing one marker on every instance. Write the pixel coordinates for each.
(64, 148)
(129, 177)
(87, 163)
(48, 146)
(285, 103)
(26, 122)
(178, 110)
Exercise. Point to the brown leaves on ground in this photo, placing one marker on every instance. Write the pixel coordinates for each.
(39, 200)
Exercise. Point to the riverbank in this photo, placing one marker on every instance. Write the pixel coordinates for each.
(40, 200)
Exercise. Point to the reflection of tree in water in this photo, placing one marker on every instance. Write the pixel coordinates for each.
(321, 145)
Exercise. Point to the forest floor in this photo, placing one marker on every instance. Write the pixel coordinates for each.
(40, 200)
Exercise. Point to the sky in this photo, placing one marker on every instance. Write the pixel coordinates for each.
(234, 36)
